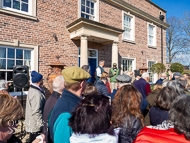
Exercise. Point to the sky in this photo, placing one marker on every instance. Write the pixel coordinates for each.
(176, 8)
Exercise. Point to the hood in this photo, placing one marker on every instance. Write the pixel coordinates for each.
(101, 138)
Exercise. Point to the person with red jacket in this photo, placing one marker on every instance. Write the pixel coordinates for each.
(175, 130)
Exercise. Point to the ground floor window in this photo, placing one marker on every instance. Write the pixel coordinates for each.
(11, 56)
(127, 65)
(150, 63)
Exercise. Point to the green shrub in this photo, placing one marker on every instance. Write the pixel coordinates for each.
(158, 68)
(176, 67)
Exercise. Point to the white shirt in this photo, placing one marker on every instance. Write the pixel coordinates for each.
(98, 71)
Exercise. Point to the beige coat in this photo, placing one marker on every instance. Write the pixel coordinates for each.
(34, 110)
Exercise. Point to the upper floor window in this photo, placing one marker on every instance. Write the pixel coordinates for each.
(151, 35)
(128, 26)
(88, 9)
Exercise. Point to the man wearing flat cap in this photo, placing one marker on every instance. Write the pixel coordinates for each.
(112, 74)
(75, 83)
(34, 107)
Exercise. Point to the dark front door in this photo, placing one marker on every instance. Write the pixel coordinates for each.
(92, 64)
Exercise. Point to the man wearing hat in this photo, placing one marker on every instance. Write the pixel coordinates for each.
(112, 74)
(34, 107)
(122, 80)
(177, 75)
(75, 83)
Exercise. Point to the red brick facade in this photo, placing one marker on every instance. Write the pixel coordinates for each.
(53, 17)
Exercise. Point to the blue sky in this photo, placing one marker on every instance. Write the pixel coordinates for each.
(174, 7)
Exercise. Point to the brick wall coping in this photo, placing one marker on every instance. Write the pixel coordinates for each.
(156, 5)
(92, 22)
(136, 11)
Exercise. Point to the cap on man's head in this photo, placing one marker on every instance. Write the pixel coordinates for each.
(36, 77)
(177, 74)
(2, 85)
(75, 74)
(114, 64)
(123, 78)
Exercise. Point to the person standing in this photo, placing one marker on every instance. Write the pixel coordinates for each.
(34, 107)
(58, 86)
(75, 83)
(160, 81)
(142, 85)
(101, 86)
(100, 69)
(112, 74)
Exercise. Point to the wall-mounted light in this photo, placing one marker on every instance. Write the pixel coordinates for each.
(55, 36)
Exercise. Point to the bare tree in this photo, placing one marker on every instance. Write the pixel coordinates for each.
(176, 42)
(185, 25)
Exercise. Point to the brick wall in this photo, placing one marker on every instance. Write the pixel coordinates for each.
(54, 15)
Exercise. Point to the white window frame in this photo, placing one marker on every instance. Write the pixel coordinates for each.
(34, 56)
(155, 76)
(132, 28)
(154, 35)
(31, 14)
(96, 9)
(133, 63)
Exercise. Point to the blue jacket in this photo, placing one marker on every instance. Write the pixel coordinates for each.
(140, 86)
(159, 81)
(101, 87)
(60, 132)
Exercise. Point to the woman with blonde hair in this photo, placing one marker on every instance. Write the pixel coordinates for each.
(127, 113)
(105, 74)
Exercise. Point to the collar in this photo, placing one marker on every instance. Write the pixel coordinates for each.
(55, 94)
(70, 96)
(37, 87)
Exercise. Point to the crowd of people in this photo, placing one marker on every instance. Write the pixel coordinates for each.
(121, 109)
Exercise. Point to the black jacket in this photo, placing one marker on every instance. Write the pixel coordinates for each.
(128, 133)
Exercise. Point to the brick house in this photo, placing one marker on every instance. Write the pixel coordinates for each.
(33, 32)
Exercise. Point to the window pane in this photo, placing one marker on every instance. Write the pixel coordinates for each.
(24, 7)
(87, 10)
(2, 52)
(11, 53)
(27, 63)
(10, 64)
(92, 11)
(87, 16)
(9, 76)
(19, 62)
(83, 2)
(2, 64)
(88, 3)
(82, 15)
(7, 3)
(19, 54)
(27, 54)
(2, 75)
(92, 5)
(25, 1)
(83, 8)
(16, 4)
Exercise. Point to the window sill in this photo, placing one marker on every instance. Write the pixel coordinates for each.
(18, 14)
(129, 41)
(153, 47)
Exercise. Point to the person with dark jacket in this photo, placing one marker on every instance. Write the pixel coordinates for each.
(142, 85)
(160, 81)
(58, 86)
(164, 99)
(101, 86)
(175, 130)
(127, 114)
(75, 83)
(34, 107)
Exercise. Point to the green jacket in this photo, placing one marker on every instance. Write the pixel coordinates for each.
(112, 77)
